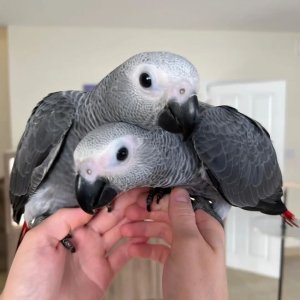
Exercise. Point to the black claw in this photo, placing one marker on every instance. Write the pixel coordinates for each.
(109, 207)
(207, 206)
(159, 193)
(150, 198)
(67, 243)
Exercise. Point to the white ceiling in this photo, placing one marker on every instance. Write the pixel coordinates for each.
(262, 15)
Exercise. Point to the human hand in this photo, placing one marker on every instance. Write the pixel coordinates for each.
(194, 262)
(44, 269)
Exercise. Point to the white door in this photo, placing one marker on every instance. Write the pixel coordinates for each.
(247, 248)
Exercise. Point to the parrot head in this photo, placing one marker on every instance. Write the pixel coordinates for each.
(153, 89)
(109, 160)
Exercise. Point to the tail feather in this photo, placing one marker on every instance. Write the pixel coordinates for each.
(290, 218)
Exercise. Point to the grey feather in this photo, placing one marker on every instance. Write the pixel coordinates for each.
(240, 158)
(151, 161)
(39, 146)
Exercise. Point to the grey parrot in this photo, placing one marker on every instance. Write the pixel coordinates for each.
(117, 157)
(229, 160)
(148, 89)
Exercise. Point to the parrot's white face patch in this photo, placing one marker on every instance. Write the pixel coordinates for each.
(110, 160)
(161, 85)
(150, 81)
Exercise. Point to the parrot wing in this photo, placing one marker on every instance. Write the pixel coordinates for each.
(238, 153)
(40, 144)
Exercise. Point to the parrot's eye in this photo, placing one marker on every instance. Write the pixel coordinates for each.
(122, 154)
(145, 80)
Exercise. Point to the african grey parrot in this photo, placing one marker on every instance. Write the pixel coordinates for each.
(144, 90)
(117, 157)
(229, 160)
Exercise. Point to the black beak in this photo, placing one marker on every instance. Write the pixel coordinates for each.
(178, 118)
(91, 196)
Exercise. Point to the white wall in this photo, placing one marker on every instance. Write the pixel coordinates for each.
(47, 59)
(4, 99)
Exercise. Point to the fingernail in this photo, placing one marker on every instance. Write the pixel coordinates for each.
(181, 197)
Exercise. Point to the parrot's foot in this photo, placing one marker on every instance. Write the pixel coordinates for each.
(159, 193)
(207, 206)
(109, 207)
(38, 220)
(67, 243)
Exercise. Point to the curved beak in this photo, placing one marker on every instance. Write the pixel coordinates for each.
(91, 196)
(178, 118)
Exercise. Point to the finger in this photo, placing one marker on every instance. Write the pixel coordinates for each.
(210, 229)
(61, 223)
(156, 252)
(147, 229)
(182, 216)
(137, 213)
(119, 257)
(105, 220)
(112, 236)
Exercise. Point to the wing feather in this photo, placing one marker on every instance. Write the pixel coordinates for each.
(40, 144)
(239, 155)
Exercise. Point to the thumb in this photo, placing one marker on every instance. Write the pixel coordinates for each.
(181, 213)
